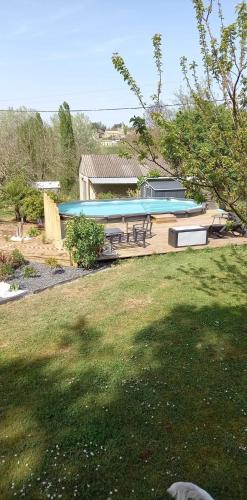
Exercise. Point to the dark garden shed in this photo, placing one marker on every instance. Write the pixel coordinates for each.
(162, 187)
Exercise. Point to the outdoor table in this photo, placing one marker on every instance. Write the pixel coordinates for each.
(113, 232)
(221, 215)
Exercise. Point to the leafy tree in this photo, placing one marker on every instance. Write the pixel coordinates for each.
(14, 193)
(28, 147)
(27, 201)
(99, 126)
(152, 173)
(33, 148)
(207, 143)
(84, 135)
(32, 140)
(116, 126)
(67, 144)
(12, 158)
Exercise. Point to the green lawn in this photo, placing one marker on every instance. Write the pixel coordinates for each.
(123, 382)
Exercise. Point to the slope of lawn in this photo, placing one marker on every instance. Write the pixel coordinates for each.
(123, 382)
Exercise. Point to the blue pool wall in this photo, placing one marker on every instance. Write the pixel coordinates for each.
(201, 208)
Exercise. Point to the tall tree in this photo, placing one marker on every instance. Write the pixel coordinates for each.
(86, 140)
(32, 138)
(208, 143)
(67, 144)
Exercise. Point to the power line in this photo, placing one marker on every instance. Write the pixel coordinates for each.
(21, 110)
(85, 110)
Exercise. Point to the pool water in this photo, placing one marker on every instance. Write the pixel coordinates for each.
(126, 207)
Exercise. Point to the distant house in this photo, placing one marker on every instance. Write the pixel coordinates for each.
(114, 134)
(47, 186)
(104, 173)
(112, 137)
(162, 187)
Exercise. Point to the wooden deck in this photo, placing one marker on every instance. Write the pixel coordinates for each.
(158, 243)
(36, 250)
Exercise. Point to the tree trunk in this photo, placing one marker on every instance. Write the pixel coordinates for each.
(17, 213)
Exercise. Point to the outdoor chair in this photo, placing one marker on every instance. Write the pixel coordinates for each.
(217, 230)
(146, 225)
(140, 234)
(139, 219)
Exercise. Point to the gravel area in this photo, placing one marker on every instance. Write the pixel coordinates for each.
(47, 278)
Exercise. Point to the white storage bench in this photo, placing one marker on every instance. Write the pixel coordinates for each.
(187, 236)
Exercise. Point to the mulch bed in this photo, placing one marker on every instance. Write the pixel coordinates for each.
(47, 278)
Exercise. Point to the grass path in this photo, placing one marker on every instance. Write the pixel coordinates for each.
(120, 383)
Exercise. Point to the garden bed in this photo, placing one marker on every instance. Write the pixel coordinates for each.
(45, 277)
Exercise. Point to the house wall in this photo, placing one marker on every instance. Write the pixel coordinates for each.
(89, 191)
(84, 186)
(180, 194)
(148, 192)
(120, 190)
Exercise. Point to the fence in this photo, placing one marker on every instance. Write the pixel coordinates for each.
(53, 226)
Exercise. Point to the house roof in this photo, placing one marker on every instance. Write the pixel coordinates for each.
(114, 166)
(160, 184)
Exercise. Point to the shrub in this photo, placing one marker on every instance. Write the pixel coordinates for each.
(84, 240)
(6, 270)
(33, 231)
(229, 225)
(4, 257)
(56, 197)
(53, 263)
(29, 272)
(33, 206)
(17, 259)
(14, 287)
(106, 196)
(133, 193)
(14, 259)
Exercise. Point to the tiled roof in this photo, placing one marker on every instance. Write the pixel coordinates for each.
(114, 166)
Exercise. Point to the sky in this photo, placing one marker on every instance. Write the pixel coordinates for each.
(56, 50)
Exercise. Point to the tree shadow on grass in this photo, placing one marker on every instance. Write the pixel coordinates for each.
(84, 422)
(228, 271)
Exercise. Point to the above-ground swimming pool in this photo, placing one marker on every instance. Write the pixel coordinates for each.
(122, 208)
